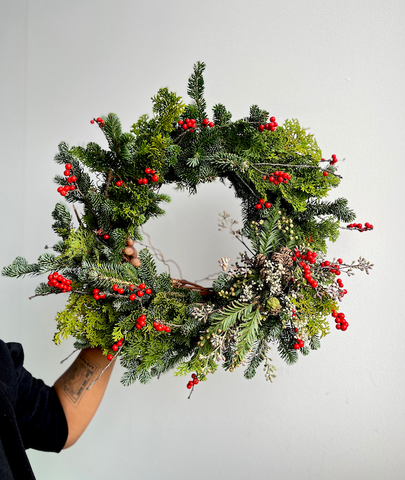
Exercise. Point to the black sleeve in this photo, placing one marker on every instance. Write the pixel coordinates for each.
(38, 411)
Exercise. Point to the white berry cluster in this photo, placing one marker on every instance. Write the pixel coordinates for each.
(274, 273)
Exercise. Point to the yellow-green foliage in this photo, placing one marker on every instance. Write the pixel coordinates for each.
(81, 244)
(313, 311)
(171, 305)
(83, 316)
(295, 139)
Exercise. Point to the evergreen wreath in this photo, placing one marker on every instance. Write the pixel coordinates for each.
(282, 291)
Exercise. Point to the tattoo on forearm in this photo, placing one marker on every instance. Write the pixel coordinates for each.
(77, 379)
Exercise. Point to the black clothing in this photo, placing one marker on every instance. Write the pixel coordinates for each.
(31, 415)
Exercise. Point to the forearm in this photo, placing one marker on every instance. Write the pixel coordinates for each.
(79, 403)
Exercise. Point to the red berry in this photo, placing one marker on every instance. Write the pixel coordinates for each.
(131, 287)
(258, 206)
(301, 343)
(338, 326)
(275, 182)
(142, 286)
(109, 357)
(115, 287)
(98, 119)
(195, 381)
(261, 201)
(261, 128)
(119, 183)
(119, 343)
(106, 236)
(92, 121)
(264, 177)
(147, 170)
(189, 386)
(138, 326)
(142, 317)
(60, 189)
(95, 291)
(271, 179)
(272, 119)
(193, 375)
(159, 328)
(211, 124)
(140, 294)
(340, 260)
(167, 329)
(68, 166)
(185, 126)
(72, 187)
(296, 346)
(325, 174)
(115, 347)
(267, 204)
(63, 193)
(206, 121)
(121, 291)
(132, 297)
(180, 122)
(155, 178)
(140, 181)
(148, 291)
(144, 181)
(141, 322)
(66, 173)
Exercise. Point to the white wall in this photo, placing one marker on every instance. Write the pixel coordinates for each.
(338, 67)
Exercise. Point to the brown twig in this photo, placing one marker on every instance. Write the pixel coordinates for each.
(192, 286)
(109, 178)
(77, 215)
(159, 255)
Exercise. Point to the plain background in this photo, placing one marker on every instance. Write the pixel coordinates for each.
(336, 66)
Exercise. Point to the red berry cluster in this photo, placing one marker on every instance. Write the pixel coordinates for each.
(59, 281)
(99, 120)
(206, 123)
(269, 126)
(343, 291)
(309, 257)
(140, 322)
(140, 293)
(192, 382)
(160, 327)
(71, 179)
(104, 235)
(190, 124)
(360, 227)
(115, 347)
(97, 295)
(278, 177)
(262, 203)
(300, 343)
(333, 161)
(150, 175)
(333, 268)
(341, 323)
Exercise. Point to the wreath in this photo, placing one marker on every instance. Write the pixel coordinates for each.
(283, 290)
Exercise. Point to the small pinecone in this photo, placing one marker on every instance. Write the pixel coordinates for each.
(259, 261)
(284, 256)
